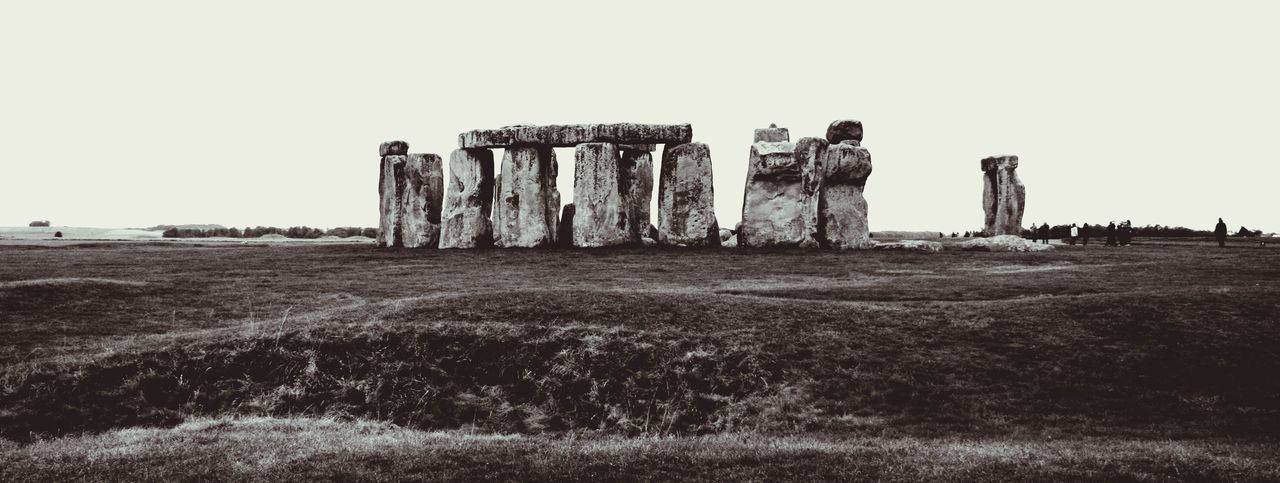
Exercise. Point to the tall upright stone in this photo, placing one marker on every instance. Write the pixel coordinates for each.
(528, 202)
(1003, 196)
(811, 157)
(774, 200)
(601, 197)
(421, 200)
(686, 197)
(637, 170)
(496, 217)
(465, 222)
(391, 186)
(842, 207)
(564, 237)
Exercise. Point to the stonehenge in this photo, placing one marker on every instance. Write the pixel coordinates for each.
(1003, 196)
(420, 201)
(528, 203)
(391, 184)
(686, 205)
(807, 194)
(563, 136)
(601, 197)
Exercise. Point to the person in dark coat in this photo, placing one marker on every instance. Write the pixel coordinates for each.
(1111, 234)
(1044, 233)
(1220, 232)
(1084, 233)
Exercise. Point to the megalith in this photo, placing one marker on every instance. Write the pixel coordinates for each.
(1003, 196)
(391, 186)
(637, 169)
(469, 201)
(686, 202)
(527, 200)
(811, 157)
(842, 208)
(423, 194)
(844, 130)
(775, 198)
(772, 134)
(564, 235)
(601, 197)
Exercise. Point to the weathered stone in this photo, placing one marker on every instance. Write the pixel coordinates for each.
(840, 131)
(601, 197)
(811, 156)
(564, 235)
(527, 200)
(772, 134)
(393, 148)
(1003, 196)
(421, 200)
(908, 246)
(842, 207)
(773, 206)
(575, 134)
(469, 202)
(638, 147)
(496, 216)
(637, 170)
(725, 234)
(1004, 243)
(686, 197)
(391, 184)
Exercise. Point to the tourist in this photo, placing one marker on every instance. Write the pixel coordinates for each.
(1044, 233)
(1126, 233)
(1084, 233)
(1075, 233)
(1220, 232)
(1111, 234)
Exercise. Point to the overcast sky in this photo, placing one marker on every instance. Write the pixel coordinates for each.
(127, 113)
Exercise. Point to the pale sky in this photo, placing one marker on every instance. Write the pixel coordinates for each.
(127, 113)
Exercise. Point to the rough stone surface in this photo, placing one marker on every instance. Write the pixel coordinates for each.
(469, 201)
(575, 134)
(840, 131)
(1003, 196)
(601, 197)
(564, 235)
(772, 134)
(393, 148)
(686, 197)
(725, 234)
(637, 168)
(391, 184)
(528, 202)
(842, 207)
(496, 214)
(423, 194)
(1004, 243)
(908, 246)
(773, 206)
(811, 156)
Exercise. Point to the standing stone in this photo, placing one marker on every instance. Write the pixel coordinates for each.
(528, 202)
(470, 200)
(497, 209)
(686, 204)
(564, 237)
(1003, 196)
(844, 130)
(601, 197)
(811, 156)
(842, 207)
(421, 200)
(637, 167)
(391, 186)
(774, 198)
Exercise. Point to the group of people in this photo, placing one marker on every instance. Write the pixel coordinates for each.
(1117, 234)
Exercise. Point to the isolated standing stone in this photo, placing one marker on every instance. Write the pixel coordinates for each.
(686, 201)
(391, 185)
(845, 130)
(773, 212)
(601, 197)
(469, 202)
(637, 169)
(842, 207)
(421, 200)
(1003, 196)
(528, 202)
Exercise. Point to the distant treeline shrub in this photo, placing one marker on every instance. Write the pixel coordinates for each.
(39, 223)
(291, 232)
(1100, 229)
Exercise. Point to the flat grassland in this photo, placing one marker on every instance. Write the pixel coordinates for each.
(163, 361)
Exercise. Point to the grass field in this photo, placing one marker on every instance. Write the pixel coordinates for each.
(1156, 361)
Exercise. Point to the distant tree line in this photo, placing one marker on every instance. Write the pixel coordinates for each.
(1064, 231)
(291, 232)
(39, 223)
